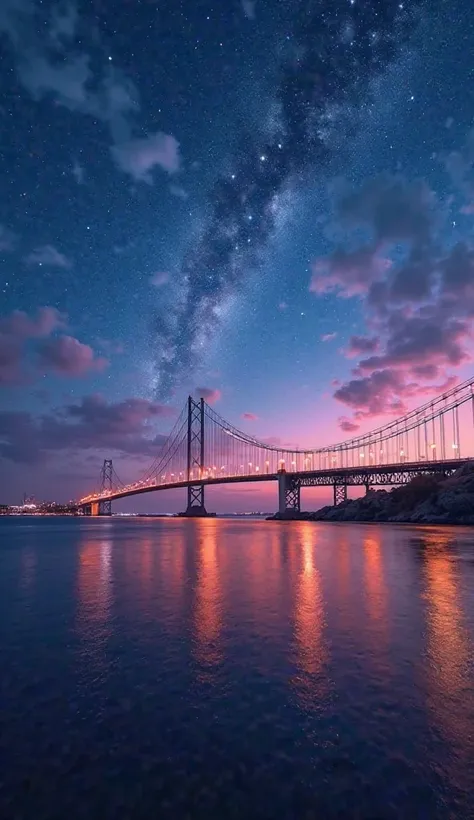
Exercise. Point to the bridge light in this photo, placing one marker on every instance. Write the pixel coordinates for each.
(454, 446)
(257, 469)
(402, 452)
(433, 446)
(362, 455)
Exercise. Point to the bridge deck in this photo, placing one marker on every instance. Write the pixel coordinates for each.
(373, 475)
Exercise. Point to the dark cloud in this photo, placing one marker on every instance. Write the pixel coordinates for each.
(249, 417)
(93, 424)
(394, 209)
(346, 425)
(327, 71)
(361, 344)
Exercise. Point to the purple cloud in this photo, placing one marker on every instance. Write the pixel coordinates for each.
(93, 424)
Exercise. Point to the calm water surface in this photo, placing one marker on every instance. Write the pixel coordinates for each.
(235, 669)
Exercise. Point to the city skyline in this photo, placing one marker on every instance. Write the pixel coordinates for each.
(195, 210)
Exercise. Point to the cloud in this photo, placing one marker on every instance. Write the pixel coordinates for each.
(346, 425)
(386, 392)
(348, 272)
(27, 344)
(66, 356)
(78, 172)
(419, 309)
(7, 239)
(248, 8)
(48, 255)
(138, 157)
(159, 279)
(209, 394)
(52, 63)
(249, 417)
(179, 192)
(328, 337)
(18, 324)
(282, 306)
(92, 424)
(395, 209)
(361, 344)
(15, 331)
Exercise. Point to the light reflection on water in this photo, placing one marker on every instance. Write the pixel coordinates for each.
(189, 667)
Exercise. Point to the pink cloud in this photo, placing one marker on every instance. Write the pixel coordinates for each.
(48, 255)
(328, 337)
(249, 417)
(209, 394)
(67, 356)
(20, 325)
(282, 306)
(138, 157)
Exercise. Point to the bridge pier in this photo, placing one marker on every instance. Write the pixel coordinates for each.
(288, 495)
(95, 508)
(340, 493)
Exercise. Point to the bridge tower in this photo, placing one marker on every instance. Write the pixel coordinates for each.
(106, 473)
(195, 458)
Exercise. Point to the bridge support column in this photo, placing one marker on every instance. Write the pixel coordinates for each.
(196, 463)
(367, 488)
(288, 495)
(106, 485)
(340, 493)
(95, 508)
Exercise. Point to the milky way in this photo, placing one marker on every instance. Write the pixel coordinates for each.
(338, 49)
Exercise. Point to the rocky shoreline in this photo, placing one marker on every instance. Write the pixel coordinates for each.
(425, 500)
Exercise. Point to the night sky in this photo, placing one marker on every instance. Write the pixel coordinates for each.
(267, 203)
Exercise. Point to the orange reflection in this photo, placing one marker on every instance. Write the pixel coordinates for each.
(208, 602)
(95, 594)
(309, 618)
(450, 696)
(376, 601)
(376, 591)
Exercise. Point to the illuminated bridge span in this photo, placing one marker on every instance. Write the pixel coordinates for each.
(204, 450)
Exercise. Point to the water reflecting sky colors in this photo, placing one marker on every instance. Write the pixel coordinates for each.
(235, 668)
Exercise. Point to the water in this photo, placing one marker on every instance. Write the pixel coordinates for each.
(235, 669)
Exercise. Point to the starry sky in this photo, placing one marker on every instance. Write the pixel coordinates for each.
(267, 203)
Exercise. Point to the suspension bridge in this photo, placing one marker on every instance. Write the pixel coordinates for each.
(205, 450)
